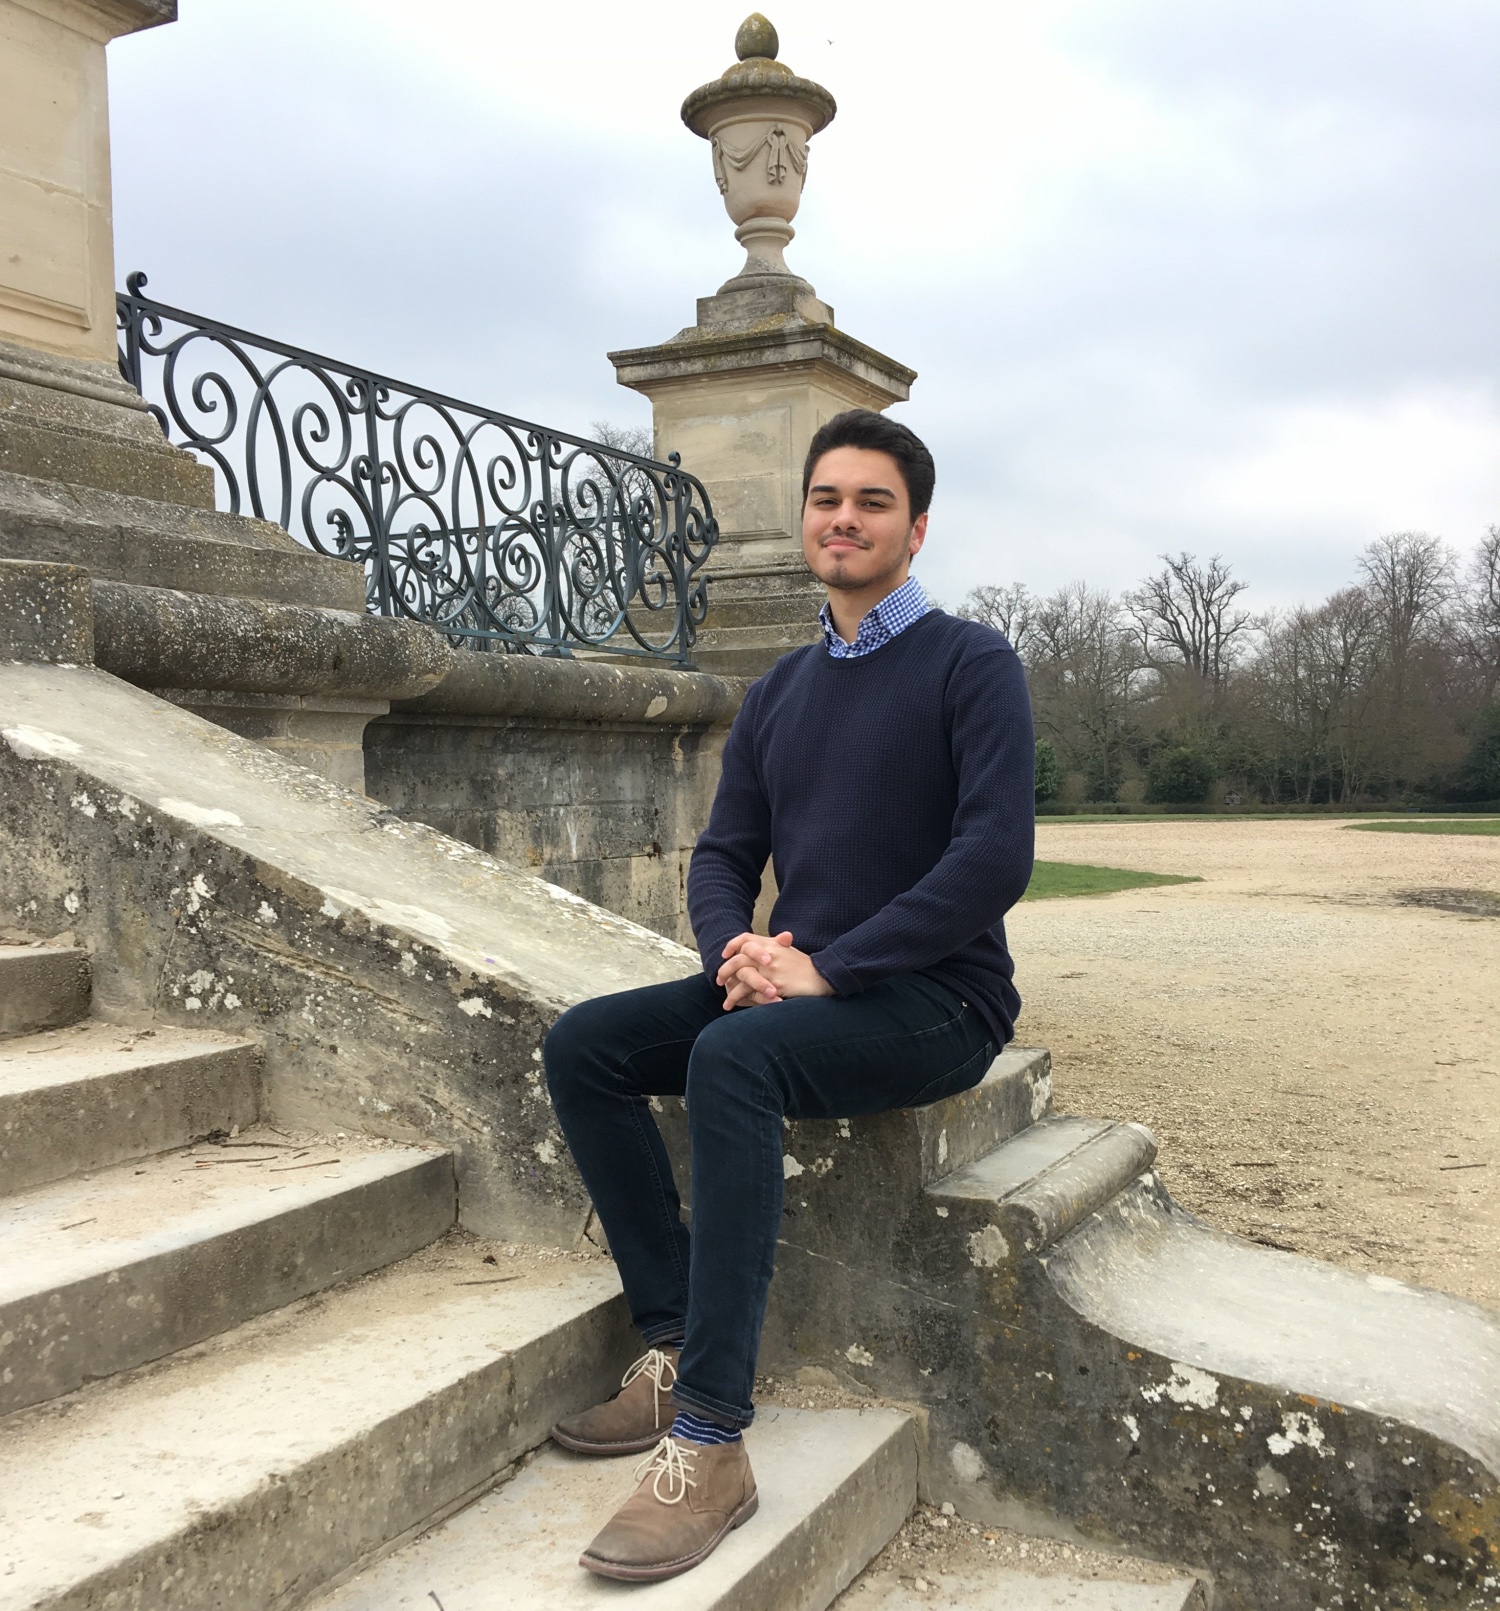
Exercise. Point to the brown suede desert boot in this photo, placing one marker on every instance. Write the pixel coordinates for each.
(691, 1497)
(635, 1419)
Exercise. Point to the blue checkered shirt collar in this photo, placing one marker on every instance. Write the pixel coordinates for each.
(895, 612)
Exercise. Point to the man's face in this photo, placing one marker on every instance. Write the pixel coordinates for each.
(857, 528)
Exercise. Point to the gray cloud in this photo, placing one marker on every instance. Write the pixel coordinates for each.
(1173, 275)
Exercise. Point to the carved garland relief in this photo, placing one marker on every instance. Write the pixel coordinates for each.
(780, 147)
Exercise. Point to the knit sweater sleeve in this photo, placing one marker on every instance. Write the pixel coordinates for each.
(987, 865)
(724, 875)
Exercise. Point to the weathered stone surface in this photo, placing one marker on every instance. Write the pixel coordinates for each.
(46, 613)
(833, 1488)
(120, 538)
(254, 1472)
(98, 1094)
(41, 986)
(763, 608)
(841, 1167)
(324, 732)
(74, 419)
(159, 638)
(160, 1255)
(986, 1588)
(400, 981)
(1053, 1176)
(748, 651)
(599, 778)
(404, 981)
(1290, 1430)
(757, 37)
(1141, 1382)
(578, 691)
(304, 682)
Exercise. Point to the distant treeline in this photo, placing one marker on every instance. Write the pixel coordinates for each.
(1170, 693)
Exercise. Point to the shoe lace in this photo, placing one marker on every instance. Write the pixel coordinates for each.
(655, 1364)
(674, 1462)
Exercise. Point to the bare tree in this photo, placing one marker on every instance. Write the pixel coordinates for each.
(624, 438)
(1085, 670)
(1481, 615)
(1409, 576)
(1385, 690)
(1185, 613)
(1410, 582)
(1010, 610)
(1313, 682)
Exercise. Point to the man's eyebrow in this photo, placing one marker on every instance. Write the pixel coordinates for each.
(864, 492)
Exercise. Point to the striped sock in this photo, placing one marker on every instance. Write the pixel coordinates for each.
(697, 1429)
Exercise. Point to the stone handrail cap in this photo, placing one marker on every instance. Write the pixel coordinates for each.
(757, 73)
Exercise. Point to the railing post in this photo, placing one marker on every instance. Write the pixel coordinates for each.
(380, 559)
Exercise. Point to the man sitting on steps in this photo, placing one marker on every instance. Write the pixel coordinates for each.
(887, 773)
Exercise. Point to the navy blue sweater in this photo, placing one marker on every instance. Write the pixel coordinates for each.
(894, 794)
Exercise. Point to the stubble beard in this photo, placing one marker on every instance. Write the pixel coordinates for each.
(841, 582)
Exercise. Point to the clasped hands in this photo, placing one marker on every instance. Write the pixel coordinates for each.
(759, 969)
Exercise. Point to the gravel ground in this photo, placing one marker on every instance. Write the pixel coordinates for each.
(1313, 1032)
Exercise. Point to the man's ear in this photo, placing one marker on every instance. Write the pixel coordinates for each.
(918, 535)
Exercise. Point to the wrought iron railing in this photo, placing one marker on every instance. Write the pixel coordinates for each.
(501, 533)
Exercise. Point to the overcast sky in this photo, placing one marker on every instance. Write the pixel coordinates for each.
(1221, 275)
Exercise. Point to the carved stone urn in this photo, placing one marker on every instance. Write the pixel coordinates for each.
(740, 393)
(758, 118)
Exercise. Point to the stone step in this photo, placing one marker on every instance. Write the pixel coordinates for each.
(778, 636)
(996, 1589)
(120, 538)
(42, 986)
(770, 609)
(1015, 1093)
(254, 1470)
(919, 1147)
(748, 651)
(747, 663)
(102, 1272)
(1050, 1178)
(833, 1486)
(95, 1094)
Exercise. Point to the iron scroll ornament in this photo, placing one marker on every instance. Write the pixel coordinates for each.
(501, 533)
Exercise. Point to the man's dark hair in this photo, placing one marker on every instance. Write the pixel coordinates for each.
(864, 428)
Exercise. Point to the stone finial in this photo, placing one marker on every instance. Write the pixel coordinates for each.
(757, 37)
(758, 117)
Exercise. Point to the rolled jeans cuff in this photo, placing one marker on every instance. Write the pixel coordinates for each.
(670, 1332)
(696, 1404)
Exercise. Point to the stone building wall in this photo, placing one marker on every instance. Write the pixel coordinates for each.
(598, 778)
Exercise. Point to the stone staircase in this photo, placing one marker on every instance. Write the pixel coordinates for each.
(221, 1401)
(248, 1368)
(756, 612)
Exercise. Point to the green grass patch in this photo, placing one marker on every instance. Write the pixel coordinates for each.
(1490, 825)
(1052, 879)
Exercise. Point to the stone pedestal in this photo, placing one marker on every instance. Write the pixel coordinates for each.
(65, 413)
(741, 406)
(740, 393)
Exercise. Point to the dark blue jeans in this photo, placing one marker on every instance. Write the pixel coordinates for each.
(903, 1043)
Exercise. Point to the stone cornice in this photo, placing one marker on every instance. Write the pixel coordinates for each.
(781, 344)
